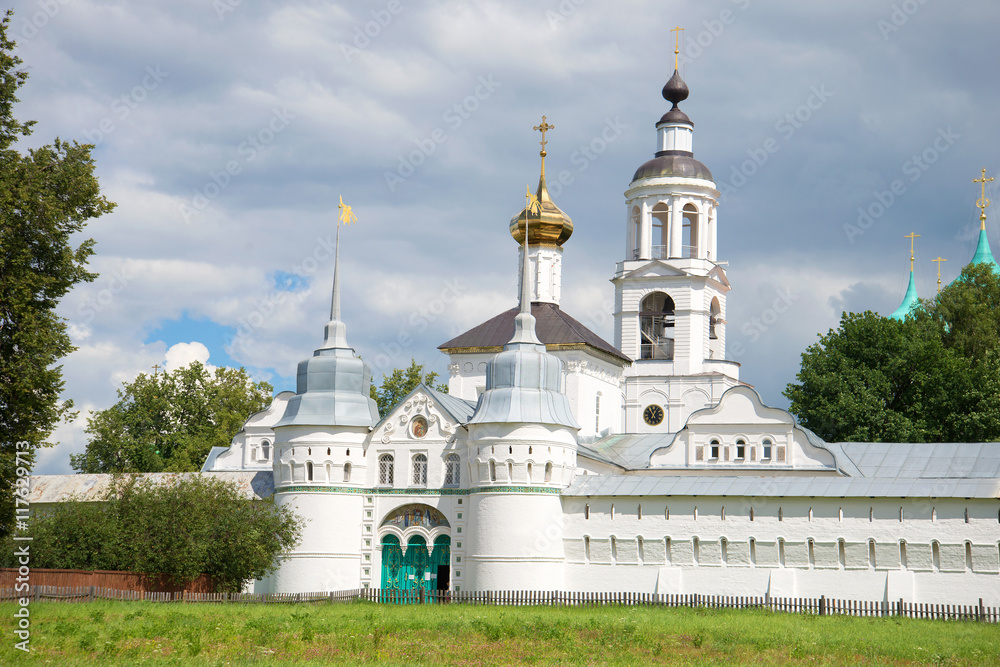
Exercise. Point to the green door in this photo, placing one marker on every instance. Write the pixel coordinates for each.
(441, 563)
(416, 565)
(392, 564)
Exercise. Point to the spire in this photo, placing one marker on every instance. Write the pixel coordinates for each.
(983, 254)
(910, 299)
(524, 322)
(336, 330)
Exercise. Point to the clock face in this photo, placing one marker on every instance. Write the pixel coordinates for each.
(653, 414)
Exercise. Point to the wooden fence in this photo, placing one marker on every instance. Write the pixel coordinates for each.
(821, 606)
(107, 579)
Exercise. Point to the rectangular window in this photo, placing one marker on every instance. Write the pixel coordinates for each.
(741, 451)
(715, 451)
(766, 456)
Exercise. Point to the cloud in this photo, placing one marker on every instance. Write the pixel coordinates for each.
(181, 355)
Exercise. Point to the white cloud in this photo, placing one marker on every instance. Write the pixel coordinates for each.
(181, 355)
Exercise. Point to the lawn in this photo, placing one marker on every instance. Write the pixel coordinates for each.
(130, 633)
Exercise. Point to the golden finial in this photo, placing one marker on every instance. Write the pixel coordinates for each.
(346, 214)
(939, 260)
(983, 202)
(912, 236)
(543, 128)
(677, 44)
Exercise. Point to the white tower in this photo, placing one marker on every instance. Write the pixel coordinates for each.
(670, 290)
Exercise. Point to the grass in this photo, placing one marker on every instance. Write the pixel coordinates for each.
(130, 633)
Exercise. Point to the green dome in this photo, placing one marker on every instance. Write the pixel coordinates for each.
(909, 301)
(983, 254)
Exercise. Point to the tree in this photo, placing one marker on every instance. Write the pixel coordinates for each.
(184, 527)
(401, 382)
(47, 195)
(170, 421)
(935, 377)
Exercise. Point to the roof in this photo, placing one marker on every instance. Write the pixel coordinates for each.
(257, 484)
(553, 326)
(910, 299)
(983, 254)
(938, 460)
(631, 451)
(780, 486)
(459, 409)
(673, 163)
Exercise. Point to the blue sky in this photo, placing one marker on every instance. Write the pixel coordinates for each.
(226, 132)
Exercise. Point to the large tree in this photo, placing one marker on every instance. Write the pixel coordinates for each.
(183, 527)
(399, 383)
(934, 377)
(47, 195)
(170, 421)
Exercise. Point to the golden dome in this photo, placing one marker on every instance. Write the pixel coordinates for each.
(549, 227)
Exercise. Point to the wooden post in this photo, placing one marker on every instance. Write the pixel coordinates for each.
(822, 605)
(981, 615)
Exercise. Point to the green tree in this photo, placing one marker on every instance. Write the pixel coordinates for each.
(170, 421)
(184, 526)
(934, 377)
(47, 195)
(401, 382)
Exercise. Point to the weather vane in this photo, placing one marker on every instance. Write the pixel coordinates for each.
(983, 202)
(346, 214)
(912, 236)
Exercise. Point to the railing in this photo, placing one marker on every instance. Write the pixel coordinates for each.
(821, 606)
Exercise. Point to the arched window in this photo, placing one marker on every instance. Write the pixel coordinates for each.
(614, 550)
(635, 230)
(871, 554)
(661, 231)
(510, 471)
(328, 477)
(656, 327)
(309, 471)
(420, 470)
(309, 451)
(666, 550)
(714, 448)
(385, 470)
(902, 554)
(714, 318)
(812, 553)
(493, 471)
(751, 512)
(586, 548)
(586, 511)
(766, 454)
(640, 550)
(612, 511)
(638, 512)
(689, 233)
(936, 556)
(265, 449)
(724, 549)
(452, 474)
(781, 552)
(347, 472)
(741, 449)
(753, 552)
(529, 473)
(327, 451)
(968, 556)
(696, 550)
(548, 472)
(841, 554)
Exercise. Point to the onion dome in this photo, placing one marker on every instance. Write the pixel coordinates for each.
(983, 253)
(549, 227)
(910, 299)
(675, 91)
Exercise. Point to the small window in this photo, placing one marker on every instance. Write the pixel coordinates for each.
(936, 556)
(968, 556)
(265, 448)
(724, 549)
(781, 552)
(638, 512)
(327, 451)
(309, 471)
(714, 449)
(452, 474)
(766, 454)
(586, 549)
(753, 552)
(493, 471)
(347, 472)
(641, 551)
(741, 449)
(420, 470)
(385, 470)
(529, 473)
(548, 472)
(871, 554)
(812, 554)
(841, 554)
(696, 550)
(586, 511)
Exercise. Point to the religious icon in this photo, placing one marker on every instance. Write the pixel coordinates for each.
(419, 428)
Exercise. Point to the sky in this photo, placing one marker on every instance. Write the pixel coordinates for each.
(226, 131)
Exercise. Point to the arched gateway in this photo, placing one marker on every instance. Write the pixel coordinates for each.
(416, 549)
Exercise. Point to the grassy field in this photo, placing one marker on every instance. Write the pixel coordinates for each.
(130, 633)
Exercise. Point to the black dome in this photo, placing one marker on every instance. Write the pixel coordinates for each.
(673, 163)
(675, 90)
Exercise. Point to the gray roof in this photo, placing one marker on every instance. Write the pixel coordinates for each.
(459, 409)
(552, 325)
(631, 451)
(787, 486)
(939, 460)
(60, 488)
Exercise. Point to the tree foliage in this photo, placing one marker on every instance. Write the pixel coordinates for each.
(185, 526)
(935, 377)
(47, 195)
(401, 382)
(170, 421)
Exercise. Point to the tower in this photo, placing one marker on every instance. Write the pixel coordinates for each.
(319, 459)
(670, 289)
(522, 453)
(910, 299)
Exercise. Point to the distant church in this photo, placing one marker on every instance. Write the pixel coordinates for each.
(560, 461)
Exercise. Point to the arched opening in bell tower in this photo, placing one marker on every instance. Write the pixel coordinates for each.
(661, 231)
(635, 232)
(656, 326)
(689, 235)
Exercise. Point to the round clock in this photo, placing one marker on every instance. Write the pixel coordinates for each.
(653, 414)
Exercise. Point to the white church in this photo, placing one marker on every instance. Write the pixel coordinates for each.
(560, 461)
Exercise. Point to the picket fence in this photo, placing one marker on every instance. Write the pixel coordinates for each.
(821, 606)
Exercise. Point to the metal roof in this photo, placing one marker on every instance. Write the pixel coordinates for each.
(257, 484)
(552, 325)
(936, 460)
(631, 451)
(459, 409)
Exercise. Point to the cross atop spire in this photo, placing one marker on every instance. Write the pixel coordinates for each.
(939, 260)
(543, 128)
(677, 44)
(912, 236)
(983, 203)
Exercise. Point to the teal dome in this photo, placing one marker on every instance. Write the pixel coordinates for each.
(910, 300)
(983, 254)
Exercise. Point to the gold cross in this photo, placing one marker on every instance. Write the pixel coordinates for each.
(983, 202)
(543, 128)
(939, 260)
(156, 369)
(912, 236)
(677, 43)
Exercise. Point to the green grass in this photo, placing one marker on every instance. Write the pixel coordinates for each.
(130, 633)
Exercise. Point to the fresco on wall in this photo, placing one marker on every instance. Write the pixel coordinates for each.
(416, 515)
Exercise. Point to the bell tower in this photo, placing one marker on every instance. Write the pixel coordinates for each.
(671, 288)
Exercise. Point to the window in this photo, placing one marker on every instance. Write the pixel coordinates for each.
(347, 472)
(753, 552)
(766, 455)
(265, 448)
(452, 475)
(586, 549)
(812, 554)
(871, 554)
(309, 471)
(614, 549)
(841, 554)
(253, 453)
(493, 471)
(714, 445)
(741, 449)
(656, 327)
(781, 514)
(781, 552)
(751, 512)
(420, 470)
(689, 232)
(968, 556)
(586, 511)
(327, 451)
(902, 554)
(661, 231)
(936, 556)
(548, 472)
(640, 550)
(529, 473)
(638, 512)
(666, 550)
(635, 228)
(612, 511)
(696, 550)
(385, 470)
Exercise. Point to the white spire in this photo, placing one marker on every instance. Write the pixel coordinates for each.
(336, 330)
(524, 323)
